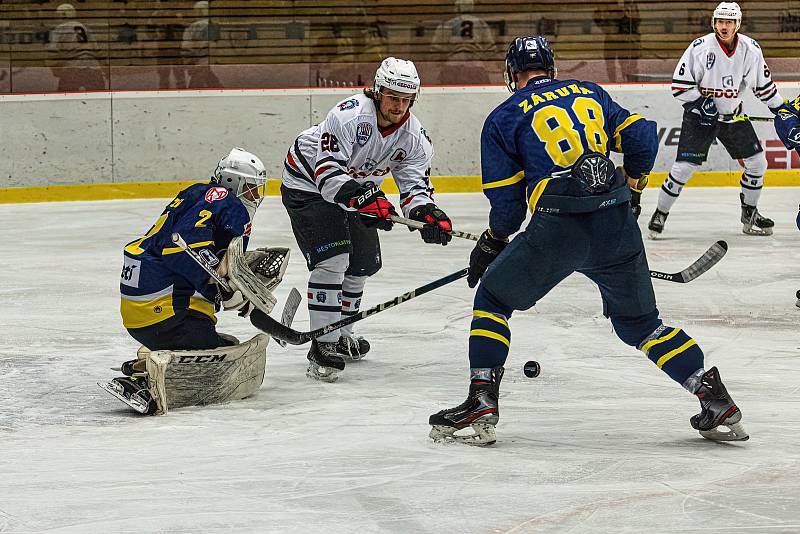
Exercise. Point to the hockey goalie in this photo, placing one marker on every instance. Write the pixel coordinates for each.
(169, 298)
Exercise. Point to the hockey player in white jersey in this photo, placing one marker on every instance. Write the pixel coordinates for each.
(331, 190)
(709, 79)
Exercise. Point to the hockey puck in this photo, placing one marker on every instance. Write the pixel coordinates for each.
(532, 369)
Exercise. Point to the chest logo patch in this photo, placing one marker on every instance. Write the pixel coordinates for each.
(710, 59)
(398, 155)
(216, 193)
(363, 133)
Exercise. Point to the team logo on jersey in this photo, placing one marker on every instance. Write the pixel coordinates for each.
(425, 135)
(369, 164)
(321, 296)
(398, 155)
(719, 93)
(710, 59)
(216, 193)
(348, 104)
(363, 133)
(727, 81)
(209, 256)
(130, 272)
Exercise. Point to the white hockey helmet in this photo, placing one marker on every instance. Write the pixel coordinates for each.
(727, 11)
(398, 75)
(240, 172)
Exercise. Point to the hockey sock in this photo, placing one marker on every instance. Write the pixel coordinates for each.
(753, 177)
(679, 175)
(325, 294)
(489, 335)
(751, 188)
(352, 291)
(674, 352)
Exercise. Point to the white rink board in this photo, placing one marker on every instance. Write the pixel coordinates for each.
(179, 135)
(599, 443)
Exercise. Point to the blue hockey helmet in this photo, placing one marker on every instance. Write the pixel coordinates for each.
(528, 53)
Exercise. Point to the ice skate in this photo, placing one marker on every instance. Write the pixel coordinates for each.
(352, 348)
(323, 361)
(717, 409)
(480, 412)
(133, 391)
(753, 222)
(656, 225)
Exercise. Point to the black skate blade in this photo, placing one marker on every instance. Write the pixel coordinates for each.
(136, 403)
(483, 435)
(736, 432)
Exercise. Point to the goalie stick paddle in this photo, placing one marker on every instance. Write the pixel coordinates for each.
(704, 263)
(278, 331)
(709, 258)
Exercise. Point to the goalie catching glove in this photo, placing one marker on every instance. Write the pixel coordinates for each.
(370, 202)
(251, 276)
(437, 224)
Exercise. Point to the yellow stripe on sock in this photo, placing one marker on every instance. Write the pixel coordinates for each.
(646, 347)
(487, 315)
(671, 354)
(490, 334)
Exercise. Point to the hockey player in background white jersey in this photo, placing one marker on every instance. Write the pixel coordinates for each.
(331, 190)
(710, 78)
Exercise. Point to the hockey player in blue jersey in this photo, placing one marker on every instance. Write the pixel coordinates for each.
(787, 125)
(167, 300)
(545, 150)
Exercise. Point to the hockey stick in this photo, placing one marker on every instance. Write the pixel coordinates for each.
(418, 225)
(701, 265)
(748, 118)
(264, 322)
(201, 261)
(709, 258)
(289, 307)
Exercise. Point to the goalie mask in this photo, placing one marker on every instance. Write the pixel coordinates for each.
(243, 174)
(727, 11)
(399, 75)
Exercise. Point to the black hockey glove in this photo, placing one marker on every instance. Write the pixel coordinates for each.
(437, 224)
(706, 109)
(793, 138)
(486, 250)
(370, 202)
(637, 185)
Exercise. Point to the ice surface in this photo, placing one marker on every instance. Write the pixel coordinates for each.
(600, 442)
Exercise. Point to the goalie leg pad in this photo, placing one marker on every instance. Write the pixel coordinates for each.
(198, 377)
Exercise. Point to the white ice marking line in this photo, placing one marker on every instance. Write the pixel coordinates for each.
(706, 501)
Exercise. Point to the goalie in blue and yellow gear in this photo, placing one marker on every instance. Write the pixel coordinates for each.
(545, 150)
(168, 302)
